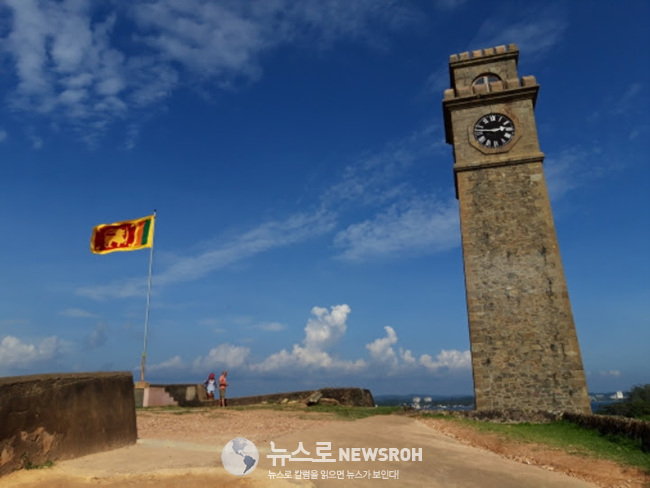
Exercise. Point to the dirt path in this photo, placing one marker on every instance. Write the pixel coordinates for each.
(599, 471)
(185, 449)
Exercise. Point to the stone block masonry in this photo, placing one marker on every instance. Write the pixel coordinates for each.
(52, 417)
(525, 352)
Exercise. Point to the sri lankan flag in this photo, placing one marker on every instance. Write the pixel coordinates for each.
(129, 235)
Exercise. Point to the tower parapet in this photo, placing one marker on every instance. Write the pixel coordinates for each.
(485, 71)
(485, 76)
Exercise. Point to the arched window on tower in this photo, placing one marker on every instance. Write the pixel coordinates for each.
(485, 79)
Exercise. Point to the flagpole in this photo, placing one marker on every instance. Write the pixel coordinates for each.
(146, 317)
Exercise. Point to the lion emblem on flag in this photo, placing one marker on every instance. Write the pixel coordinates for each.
(118, 238)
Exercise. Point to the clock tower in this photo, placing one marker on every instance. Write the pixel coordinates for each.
(525, 352)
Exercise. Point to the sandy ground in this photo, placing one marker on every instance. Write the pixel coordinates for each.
(184, 449)
(601, 472)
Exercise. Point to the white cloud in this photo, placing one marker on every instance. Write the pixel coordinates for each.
(449, 4)
(129, 287)
(77, 313)
(560, 172)
(206, 37)
(223, 356)
(209, 322)
(16, 354)
(301, 357)
(629, 99)
(323, 330)
(171, 365)
(226, 251)
(410, 225)
(381, 349)
(383, 352)
(379, 178)
(271, 326)
(447, 360)
(266, 236)
(405, 224)
(407, 357)
(3, 135)
(64, 63)
(417, 226)
(535, 30)
(7, 322)
(612, 373)
(37, 142)
(571, 169)
(69, 66)
(326, 327)
(438, 81)
(98, 337)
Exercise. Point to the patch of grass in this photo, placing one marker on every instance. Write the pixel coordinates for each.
(172, 409)
(353, 413)
(27, 464)
(341, 411)
(345, 412)
(569, 437)
(291, 407)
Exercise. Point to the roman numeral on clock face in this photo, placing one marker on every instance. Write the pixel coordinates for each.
(494, 130)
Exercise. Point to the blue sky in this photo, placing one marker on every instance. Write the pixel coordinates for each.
(307, 231)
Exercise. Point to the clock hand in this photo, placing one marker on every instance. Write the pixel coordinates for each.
(498, 129)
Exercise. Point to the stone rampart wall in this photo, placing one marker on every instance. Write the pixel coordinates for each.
(193, 395)
(61, 416)
(353, 397)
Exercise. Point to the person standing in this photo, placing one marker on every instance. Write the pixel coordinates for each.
(210, 386)
(222, 388)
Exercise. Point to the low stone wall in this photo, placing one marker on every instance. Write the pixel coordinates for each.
(634, 429)
(194, 395)
(637, 430)
(353, 397)
(185, 395)
(61, 416)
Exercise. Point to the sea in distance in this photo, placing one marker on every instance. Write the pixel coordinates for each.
(437, 402)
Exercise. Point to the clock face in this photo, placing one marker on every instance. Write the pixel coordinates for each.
(494, 130)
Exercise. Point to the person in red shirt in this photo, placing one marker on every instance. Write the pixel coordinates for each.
(222, 388)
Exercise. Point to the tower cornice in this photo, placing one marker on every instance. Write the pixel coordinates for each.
(476, 96)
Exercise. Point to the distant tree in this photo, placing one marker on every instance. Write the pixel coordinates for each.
(636, 405)
(640, 392)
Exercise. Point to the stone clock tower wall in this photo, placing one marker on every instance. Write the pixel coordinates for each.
(525, 351)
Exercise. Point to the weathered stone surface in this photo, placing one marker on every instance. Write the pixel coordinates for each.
(314, 398)
(185, 395)
(329, 401)
(357, 397)
(61, 416)
(525, 352)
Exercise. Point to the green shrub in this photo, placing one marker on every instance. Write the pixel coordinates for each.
(636, 405)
